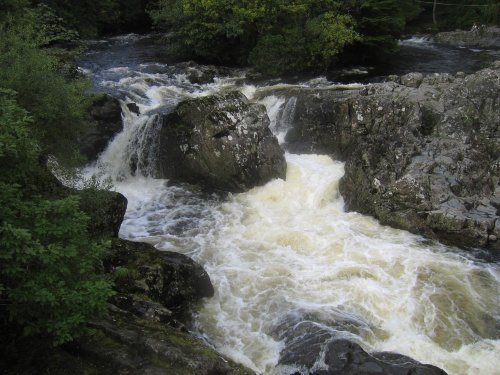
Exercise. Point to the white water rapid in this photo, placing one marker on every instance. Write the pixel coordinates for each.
(289, 248)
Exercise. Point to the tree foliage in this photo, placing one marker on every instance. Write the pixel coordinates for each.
(280, 35)
(57, 103)
(464, 14)
(48, 278)
(94, 18)
(381, 22)
(49, 281)
(275, 36)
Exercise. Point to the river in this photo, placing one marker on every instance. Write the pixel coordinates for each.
(288, 248)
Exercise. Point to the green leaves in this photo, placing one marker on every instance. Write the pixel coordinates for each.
(49, 265)
(275, 36)
(327, 35)
(56, 105)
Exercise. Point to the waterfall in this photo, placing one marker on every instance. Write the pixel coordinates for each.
(281, 112)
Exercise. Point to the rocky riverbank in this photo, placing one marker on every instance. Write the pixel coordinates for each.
(422, 152)
(478, 36)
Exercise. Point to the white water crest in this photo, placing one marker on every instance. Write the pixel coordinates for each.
(418, 40)
(290, 248)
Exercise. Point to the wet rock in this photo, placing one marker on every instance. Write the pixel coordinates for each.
(423, 159)
(478, 36)
(107, 114)
(203, 74)
(171, 279)
(142, 334)
(220, 142)
(315, 349)
(134, 108)
(106, 210)
(124, 344)
(412, 79)
(121, 344)
(393, 78)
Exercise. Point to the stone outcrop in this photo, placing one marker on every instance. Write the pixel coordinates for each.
(125, 344)
(105, 209)
(107, 114)
(424, 157)
(478, 36)
(144, 332)
(221, 142)
(315, 349)
(170, 279)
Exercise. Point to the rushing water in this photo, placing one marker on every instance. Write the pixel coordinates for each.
(289, 248)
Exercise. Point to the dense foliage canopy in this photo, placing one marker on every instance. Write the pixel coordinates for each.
(462, 14)
(283, 36)
(49, 282)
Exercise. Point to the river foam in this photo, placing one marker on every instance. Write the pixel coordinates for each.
(289, 247)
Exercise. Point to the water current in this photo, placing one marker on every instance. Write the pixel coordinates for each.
(288, 248)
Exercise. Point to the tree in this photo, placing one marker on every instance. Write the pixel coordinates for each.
(48, 278)
(50, 283)
(275, 36)
(281, 36)
(57, 103)
(381, 23)
(464, 14)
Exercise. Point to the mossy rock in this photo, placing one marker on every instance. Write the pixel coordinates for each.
(171, 279)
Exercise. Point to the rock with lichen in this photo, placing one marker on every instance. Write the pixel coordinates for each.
(220, 142)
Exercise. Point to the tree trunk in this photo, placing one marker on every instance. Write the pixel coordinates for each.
(434, 12)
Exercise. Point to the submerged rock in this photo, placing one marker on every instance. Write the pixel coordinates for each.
(203, 74)
(424, 157)
(221, 142)
(134, 108)
(314, 349)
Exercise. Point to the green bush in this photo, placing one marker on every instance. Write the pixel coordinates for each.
(57, 104)
(464, 16)
(48, 279)
(284, 36)
(275, 36)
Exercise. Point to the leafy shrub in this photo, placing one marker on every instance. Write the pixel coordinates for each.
(283, 36)
(275, 36)
(48, 278)
(57, 104)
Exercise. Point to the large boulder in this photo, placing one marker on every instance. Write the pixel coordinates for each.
(125, 344)
(423, 157)
(169, 279)
(478, 36)
(144, 333)
(106, 210)
(107, 114)
(315, 349)
(221, 142)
